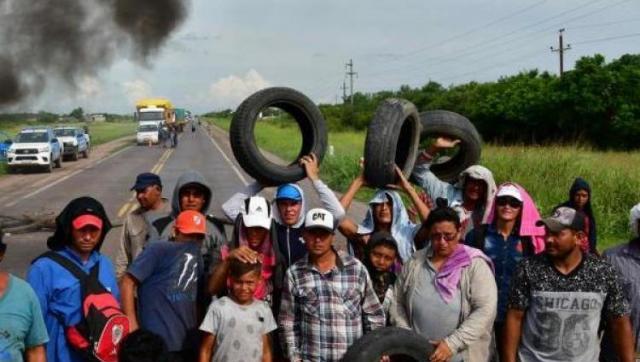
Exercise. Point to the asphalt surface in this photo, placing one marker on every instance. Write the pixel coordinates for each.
(109, 180)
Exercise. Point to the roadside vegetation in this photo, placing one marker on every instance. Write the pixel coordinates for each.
(546, 172)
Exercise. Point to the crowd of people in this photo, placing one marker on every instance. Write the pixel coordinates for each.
(477, 271)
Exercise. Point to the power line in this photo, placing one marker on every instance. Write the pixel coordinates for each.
(607, 39)
(597, 25)
(456, 56)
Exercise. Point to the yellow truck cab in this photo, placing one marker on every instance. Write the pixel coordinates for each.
(152, 115)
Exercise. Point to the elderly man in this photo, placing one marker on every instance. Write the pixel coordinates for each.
(135, 231)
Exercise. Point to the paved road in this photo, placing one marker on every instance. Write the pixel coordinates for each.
(109, 181)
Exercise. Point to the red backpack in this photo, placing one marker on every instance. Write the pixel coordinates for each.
(103, 326)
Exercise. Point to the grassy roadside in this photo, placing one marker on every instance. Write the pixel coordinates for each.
(546, 172)
(101, 132)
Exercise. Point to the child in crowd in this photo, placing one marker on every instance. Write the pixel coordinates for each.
(143, 346)
(381, 255)
(237, 327)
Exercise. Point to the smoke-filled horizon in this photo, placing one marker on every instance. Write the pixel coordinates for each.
(64, 40)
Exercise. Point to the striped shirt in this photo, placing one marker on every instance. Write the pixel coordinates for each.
(321, 315)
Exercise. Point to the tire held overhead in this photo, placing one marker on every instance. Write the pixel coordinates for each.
(241, 132)
(392, 138)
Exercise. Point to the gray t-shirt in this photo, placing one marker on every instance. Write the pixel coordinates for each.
(431, 317)
(239, 329)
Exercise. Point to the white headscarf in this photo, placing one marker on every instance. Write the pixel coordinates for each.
(634, 217)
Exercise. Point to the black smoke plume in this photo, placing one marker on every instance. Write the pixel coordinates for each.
(51, 40)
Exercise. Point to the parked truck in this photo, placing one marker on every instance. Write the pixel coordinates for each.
(157, 110)
(181, 118)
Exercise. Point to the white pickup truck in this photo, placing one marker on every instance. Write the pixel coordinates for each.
(75, 142)
(35, 147)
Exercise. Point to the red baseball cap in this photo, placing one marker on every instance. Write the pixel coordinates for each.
(191, 222)
(87, 219)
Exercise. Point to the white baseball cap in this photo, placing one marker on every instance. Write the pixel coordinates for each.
(319, 219)
(256, 213)
(509, 190)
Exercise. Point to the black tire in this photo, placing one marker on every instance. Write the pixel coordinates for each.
(245, 150)
(74, 155)
(49, 168)
(446, 123)
(86, 152)
(393, 138)
(399, 343)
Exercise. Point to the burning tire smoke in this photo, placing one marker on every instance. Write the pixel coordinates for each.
(44, 40)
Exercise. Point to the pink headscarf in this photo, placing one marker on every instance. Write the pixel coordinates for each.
(268, 260)
(528, 217)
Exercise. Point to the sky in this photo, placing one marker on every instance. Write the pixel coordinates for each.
(227, 49)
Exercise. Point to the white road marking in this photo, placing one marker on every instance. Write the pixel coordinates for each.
(31, 194)
(235, 169)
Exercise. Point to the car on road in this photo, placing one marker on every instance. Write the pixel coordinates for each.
(35, 147)
(74, 142)
(148, 133)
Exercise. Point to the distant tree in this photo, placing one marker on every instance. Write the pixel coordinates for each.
(77, 113)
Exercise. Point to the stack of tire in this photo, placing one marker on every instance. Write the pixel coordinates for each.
(393, 138)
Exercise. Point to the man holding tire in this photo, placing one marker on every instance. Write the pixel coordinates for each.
(471, 196)
(290, 205)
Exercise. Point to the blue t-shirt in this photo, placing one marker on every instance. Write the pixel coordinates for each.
(21, 322)
(169, 273)
(60, 297)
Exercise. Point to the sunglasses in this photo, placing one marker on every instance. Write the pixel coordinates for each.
(508, 200)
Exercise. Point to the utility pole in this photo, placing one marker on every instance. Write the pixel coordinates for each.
(344, 91)
(561, 49)
(351, 73)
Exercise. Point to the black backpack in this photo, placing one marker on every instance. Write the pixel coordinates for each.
(103, 326)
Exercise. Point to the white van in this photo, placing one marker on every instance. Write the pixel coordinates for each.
(148, 132)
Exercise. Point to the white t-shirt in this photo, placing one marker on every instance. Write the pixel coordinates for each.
(239, 329)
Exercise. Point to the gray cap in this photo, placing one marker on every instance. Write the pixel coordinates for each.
(563, 218)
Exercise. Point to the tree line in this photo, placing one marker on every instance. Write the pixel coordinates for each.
(597, 103)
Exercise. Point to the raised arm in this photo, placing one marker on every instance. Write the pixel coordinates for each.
(347, 226)
(327, 197)
(233, 207)
(406, 186)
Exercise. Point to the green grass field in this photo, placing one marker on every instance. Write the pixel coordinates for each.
(101, 132)
(546, 172)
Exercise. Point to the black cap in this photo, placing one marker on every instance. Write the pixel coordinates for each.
(3, 246)
(146, 179)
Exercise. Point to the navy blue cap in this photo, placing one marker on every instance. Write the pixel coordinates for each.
(146, 179)
(289, 192)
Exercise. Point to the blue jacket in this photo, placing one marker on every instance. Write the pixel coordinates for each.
(59, 294)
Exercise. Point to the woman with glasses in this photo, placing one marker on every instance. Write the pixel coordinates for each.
(509, 236)
(447, 293)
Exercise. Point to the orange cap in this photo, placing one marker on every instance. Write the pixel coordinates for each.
(191, 222)
(87, 219)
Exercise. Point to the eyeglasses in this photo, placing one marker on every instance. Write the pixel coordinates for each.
(508, 200)
(446, 237)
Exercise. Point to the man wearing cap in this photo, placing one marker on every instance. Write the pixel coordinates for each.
(289, 206)
(328, 301)
(166, 276)
(22, 329)
(135, 230)
(558, 298)
(192, 193)
(80, 230)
